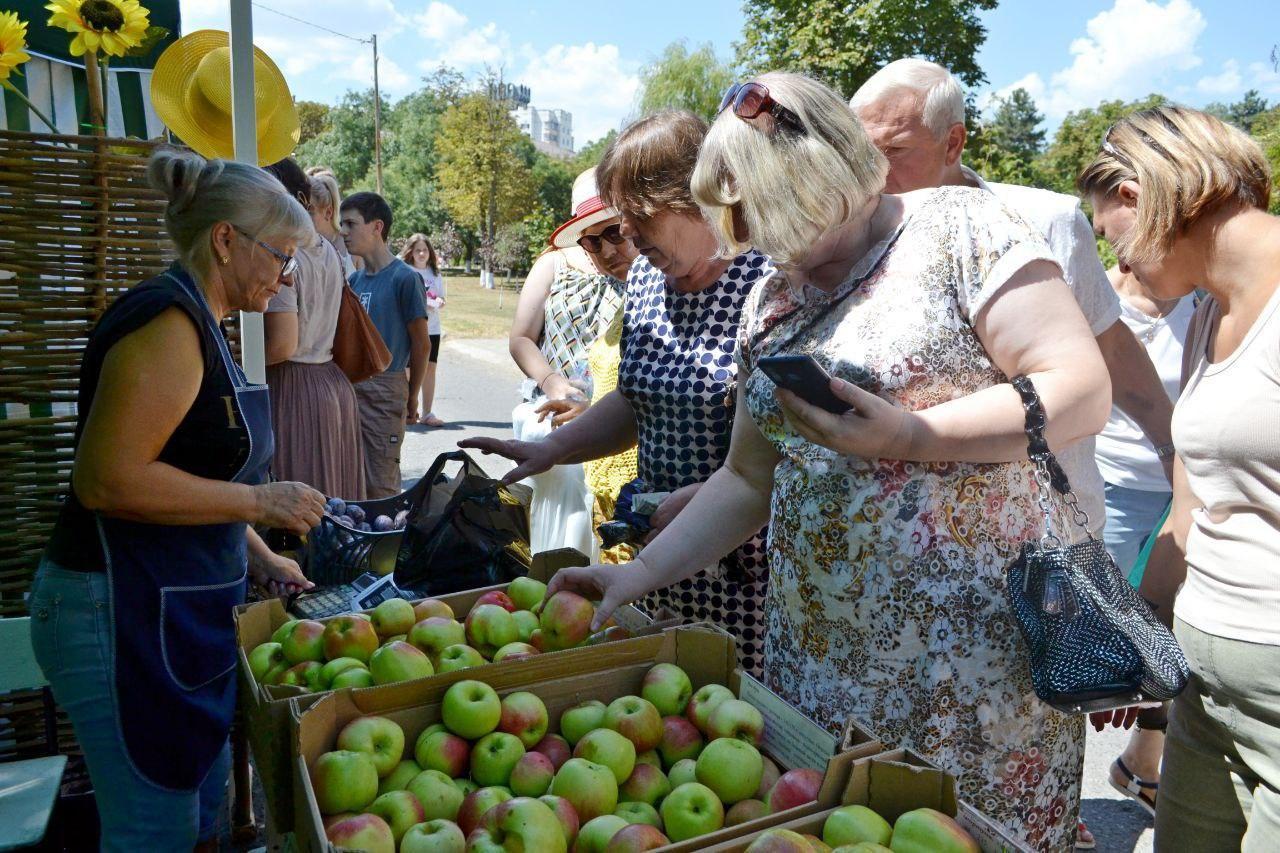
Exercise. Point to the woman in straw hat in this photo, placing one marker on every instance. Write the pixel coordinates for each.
(131, 606)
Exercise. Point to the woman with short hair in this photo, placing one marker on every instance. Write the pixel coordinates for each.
(1182, 198)
(420, 255)
(891, 525)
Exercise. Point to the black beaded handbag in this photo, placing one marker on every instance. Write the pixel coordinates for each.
(1094, 642)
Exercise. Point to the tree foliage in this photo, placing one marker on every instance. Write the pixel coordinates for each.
(844, 42)
(313, 118)
(1244, 112)
(1080, 135)
(346, 146)
(590, 154)
(685, 80)
(1006, 147)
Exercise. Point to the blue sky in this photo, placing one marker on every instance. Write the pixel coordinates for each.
(586, 58)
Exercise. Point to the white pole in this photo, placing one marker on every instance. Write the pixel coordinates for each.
(244, 129)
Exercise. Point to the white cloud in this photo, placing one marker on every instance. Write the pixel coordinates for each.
(454, 43)
(591, 81)
(1265, 78)
(1226, 83)
(1033, 83)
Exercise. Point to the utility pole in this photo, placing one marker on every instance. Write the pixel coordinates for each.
(377, 117)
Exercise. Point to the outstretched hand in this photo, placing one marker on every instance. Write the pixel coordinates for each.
(612, 586)
(531, 457)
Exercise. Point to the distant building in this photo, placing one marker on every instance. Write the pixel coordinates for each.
(550, 130)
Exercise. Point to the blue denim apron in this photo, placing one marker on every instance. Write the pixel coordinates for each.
(172, 590)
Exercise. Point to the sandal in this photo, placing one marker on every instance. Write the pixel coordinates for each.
(1135, 788)
(430, 419)
(1084, 838)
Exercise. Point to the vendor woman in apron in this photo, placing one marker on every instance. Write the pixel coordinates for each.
(131, 606)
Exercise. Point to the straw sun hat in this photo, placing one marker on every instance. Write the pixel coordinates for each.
(191, 92)
(588, 210)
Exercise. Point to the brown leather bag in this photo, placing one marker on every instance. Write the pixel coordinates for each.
(357, 347)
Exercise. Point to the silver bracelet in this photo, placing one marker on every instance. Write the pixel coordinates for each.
(1165, 450)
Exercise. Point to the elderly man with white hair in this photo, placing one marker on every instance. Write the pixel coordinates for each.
(914, 112)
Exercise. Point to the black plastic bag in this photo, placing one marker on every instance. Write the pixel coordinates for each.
(469, 532)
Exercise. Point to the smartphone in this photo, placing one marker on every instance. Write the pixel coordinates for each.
(805, 378)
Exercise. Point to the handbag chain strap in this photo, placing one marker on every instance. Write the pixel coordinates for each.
(1048, 471)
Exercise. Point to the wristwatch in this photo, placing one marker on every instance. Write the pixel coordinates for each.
(1165, 450)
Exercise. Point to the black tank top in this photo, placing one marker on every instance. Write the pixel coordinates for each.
(210, 442)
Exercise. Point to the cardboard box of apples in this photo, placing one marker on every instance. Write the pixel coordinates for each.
(641, 745)
(283, 659)
(894, 802)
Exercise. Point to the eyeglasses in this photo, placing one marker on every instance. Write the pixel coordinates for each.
(749, 100)
(593, 243)
(288, 263)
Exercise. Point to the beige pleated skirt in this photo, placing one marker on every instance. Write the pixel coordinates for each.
(317, 426)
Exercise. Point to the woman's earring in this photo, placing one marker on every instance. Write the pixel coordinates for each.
(225, 259)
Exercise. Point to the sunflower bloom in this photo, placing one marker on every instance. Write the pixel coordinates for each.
(13, 38)
(113, 27)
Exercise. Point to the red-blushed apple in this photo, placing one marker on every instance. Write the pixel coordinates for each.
(366, 832)
(668, 687)
(607, 747)
(680, 739)
(330, 820)
(817, 845)
(780, 841)
(768, 777)
(381, 739)
(635, 719)
(434, 836)
(636, 838)
(736, 719)
(794, 788)
(590, 788)
(391, 617)
(443, 751)
(854, 824)
(435, 634)
(649, 757)
(344, 781)
(525, 716)
(353, 677)
(349, 637)
(335, 667)
(429, 607)
(595, 834)
(639, 813)
(704, 702)
(514, 651)
(646, 784)
(496, 597)
(930, 831)
(535, 640)
(305, 642)
(399, 661)
(532, 775)
(526, 624)
(745, 810)
(471, 709)
(565, 620)
(565, 813)
(731, 768)
(580, 719)
(400, 810)
(556, 748)
(494, 757)
(305, 675)
(691, 810)
(475, 804)
(398, 779)
(263, 658)
(526, 592)
(284, 629)
(521, 823)
(489, 627)
(684, 770)
(459, 656)
(440, 798)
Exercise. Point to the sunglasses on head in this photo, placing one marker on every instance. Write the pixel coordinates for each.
(593, 243)
(749, 100)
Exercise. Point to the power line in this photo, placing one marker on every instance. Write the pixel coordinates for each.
(310, 24)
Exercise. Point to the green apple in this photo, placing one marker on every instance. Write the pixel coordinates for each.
(526, 593)
(428, 607)
(691, 810)
(851, 824)
(460, 656)
(590, 788)
(305, 642)
(731, 768)
(440, 798)
(305, 675)
(780, 841)
(400, 809)
(930, 831)
(683, 771)
(466, 786)
(607, 747)
(344, 781)
(646, 784)
(702, 703)
(489, 627)
(331, 670)
(349, 636)
(580, 719)
(494, 757)
(596, 833)
(668, 687)
(650, 757)
(391, 617)
(379, 738)
(399, 661)
(354, 677)
(737, 719)
(526, 624)
(444, 751)
(279, 634)
(264, 658)
(471, 709)
(514, 651)
(435, 634)
(275, 673)
(634, 812)
(398, 779)
(521, 823)
(434, 836)
(366, 832)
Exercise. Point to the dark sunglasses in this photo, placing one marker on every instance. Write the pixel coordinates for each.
(749, 100)
(593, 243)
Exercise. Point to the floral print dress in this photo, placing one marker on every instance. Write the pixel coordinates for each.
(886, 595)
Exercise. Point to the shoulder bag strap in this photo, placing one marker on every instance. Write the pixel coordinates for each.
(1049, 473)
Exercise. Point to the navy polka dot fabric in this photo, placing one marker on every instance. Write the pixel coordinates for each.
(679, 375)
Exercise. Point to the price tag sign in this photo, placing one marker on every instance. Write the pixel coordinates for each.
(789, 736)
(382, 589)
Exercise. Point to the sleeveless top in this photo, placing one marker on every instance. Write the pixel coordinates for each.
(579, 308)
(210, 441)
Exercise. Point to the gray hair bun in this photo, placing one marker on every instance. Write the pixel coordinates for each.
(179, 174)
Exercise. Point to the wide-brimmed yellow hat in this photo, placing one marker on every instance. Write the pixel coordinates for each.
(191, 92)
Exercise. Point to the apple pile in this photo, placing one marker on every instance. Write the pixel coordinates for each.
(399, 641)
(636, 774)
(858, 829)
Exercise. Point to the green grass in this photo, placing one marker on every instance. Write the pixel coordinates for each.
(470, 311)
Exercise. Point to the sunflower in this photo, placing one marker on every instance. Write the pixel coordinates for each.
(13, 38)
(112, 26)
